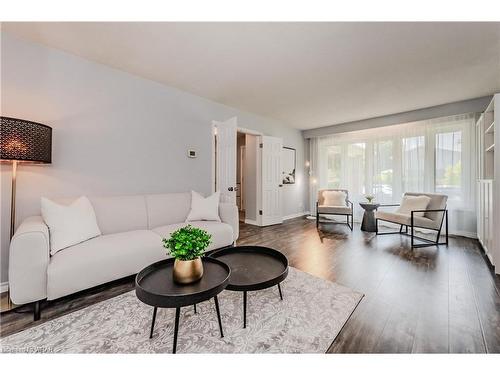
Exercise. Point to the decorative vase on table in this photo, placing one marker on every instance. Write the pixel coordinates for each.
(188, 271)
(187, 245)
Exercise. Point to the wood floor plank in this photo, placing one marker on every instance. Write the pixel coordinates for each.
(432, 333)
(465, 334)
(486, 296)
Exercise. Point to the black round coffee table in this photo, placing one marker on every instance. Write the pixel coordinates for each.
(253, 268)
(154, 286)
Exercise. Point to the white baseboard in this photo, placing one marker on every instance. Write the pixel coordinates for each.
(251, 222)
(4, 287)
(293, 216)
(287, 217)
(463, 234)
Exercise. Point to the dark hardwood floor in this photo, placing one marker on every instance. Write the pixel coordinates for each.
(429, 300)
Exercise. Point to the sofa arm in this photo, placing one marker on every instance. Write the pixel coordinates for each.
(28, 261)
(229, 214)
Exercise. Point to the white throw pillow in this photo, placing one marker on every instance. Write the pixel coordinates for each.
(334, 198)
(412, 203)
(204, 208)
(69, 224)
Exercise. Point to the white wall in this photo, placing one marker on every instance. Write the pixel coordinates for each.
(113, 133)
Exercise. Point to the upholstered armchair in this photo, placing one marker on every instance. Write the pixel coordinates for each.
(430, 215)
(334, 202)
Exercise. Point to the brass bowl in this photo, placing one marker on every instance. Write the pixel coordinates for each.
(188, 271)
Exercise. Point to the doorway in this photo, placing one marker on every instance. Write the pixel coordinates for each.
(246, 170)
(247, 179)
(240, 174)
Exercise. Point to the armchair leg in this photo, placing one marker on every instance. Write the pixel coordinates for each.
(412, 231)
(350, 223)
(446, 214)
(317, 214)
(36, 311)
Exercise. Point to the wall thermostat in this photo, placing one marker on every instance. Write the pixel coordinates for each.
(191, 153)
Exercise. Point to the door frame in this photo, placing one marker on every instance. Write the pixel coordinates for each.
(241, 157)
(258, 187)
(213, 167)
(258, 177)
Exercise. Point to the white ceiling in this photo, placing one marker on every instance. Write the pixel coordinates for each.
(306, 74)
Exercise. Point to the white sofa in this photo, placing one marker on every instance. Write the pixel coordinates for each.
(132, 229)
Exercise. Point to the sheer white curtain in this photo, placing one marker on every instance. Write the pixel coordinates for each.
(426, 156)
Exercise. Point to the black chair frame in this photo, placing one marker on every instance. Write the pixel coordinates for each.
(349, 224)
(412, 228)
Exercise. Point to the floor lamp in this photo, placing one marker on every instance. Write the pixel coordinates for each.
(23, 141)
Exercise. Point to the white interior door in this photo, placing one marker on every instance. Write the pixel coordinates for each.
(271, 181)
(226, 159)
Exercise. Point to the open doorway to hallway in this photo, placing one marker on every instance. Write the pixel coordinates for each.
(246, 170)
(246, 176)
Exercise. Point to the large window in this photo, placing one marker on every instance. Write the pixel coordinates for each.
(355, 161)
(413, 163)
(427, 156)
(383, 170)
(334, 155)
(449, 174)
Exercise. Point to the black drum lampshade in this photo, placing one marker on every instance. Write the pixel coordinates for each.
(25, 141)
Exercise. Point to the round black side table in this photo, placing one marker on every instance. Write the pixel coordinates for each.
(253, 268)
(369, 224)
(155, 286)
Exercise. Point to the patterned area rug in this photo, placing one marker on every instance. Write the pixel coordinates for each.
(306, 321)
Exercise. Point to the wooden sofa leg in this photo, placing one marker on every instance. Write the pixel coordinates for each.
(36, 311)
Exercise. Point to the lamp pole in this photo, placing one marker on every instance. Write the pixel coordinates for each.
(12, 216)
(13, 199)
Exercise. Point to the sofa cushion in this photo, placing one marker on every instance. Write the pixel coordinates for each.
(334, 198)
(204, 208)
(121, 213)
(438, 202)
(166, 230)
(321, 196)
(222, 233)
(418, 221)
(413, 203)
(164, 209)
(102, 259)
(69, 224)
(339, 210)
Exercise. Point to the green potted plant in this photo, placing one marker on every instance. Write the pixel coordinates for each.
(369, 198)
(187, 245)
